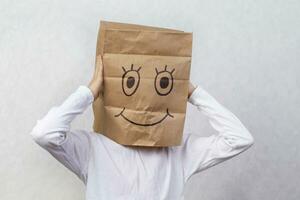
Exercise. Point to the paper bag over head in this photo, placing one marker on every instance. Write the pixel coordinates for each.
(146, 78)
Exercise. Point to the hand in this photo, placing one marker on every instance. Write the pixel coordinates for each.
(191, 89)
(96, 84)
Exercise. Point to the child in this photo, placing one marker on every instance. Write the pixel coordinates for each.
(111, 171)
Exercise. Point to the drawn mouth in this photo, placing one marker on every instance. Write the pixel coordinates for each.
(147, 124)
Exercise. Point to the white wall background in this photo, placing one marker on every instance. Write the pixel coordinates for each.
(246, 54)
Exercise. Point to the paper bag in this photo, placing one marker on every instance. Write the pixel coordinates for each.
(146, 77)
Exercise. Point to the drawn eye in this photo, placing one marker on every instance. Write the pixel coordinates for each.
(163, 82)
(130, 80)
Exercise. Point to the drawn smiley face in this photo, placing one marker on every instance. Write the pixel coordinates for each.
(163, 85)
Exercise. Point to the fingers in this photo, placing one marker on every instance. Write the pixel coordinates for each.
(99, 68)
(98, 71)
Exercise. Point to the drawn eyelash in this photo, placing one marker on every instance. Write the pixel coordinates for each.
(131, 69)
(165, 70)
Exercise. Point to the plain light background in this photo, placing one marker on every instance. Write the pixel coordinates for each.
(245, 53)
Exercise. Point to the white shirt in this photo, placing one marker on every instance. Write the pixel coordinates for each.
(111, 171)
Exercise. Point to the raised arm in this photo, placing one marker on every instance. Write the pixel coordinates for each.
(232, 137)
(52, 132)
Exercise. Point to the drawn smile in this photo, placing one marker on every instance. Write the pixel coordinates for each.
(147, 124)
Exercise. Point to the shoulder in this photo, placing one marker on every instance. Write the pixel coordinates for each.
(191, 137)
(82, 136)
(80, 133)
(192, 142)
(98, 140)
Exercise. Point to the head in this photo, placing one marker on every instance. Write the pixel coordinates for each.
(146, 77)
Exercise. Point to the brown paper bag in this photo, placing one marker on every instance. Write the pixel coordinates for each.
(146, 77)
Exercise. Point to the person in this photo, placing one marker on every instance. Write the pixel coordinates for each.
(111, 171)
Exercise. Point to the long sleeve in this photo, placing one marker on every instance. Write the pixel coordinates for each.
(232, 137)
(53, 133)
